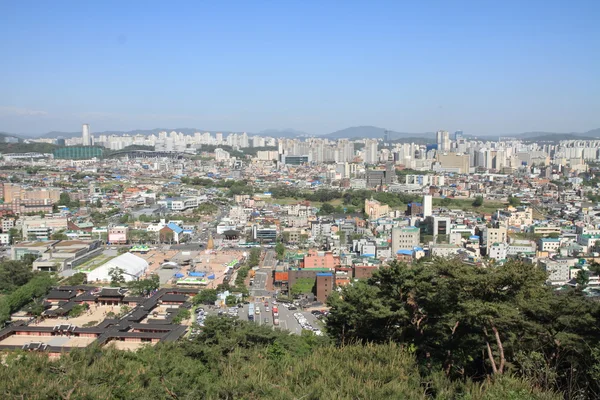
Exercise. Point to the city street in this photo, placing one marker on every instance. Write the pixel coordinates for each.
(270, 260)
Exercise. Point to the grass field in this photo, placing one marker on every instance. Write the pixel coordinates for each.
(467, 205)
(290, 200)
(94, 263)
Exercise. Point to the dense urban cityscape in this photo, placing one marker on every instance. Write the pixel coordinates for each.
(147, 236)
(300, 200)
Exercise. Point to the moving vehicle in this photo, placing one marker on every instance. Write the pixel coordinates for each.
(251, 312)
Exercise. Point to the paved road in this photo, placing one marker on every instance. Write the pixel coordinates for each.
(270, 260)
(259, 287)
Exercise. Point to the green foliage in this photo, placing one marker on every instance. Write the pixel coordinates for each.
(231, 300)
(205, 296)
(254, 257)
(27, 147)
(478, 202)
(78, 310)
(36, 288)
(65, 200)
(326, 209)
(206, 209)
(182, 314)
(241, 276)
(303, 286)
(453, 313)
(14, 274)
(232, 359)
(280, 250)
(144, 287)
(116, 276)
(514, 201)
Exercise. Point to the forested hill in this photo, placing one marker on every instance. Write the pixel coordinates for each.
(239, 360)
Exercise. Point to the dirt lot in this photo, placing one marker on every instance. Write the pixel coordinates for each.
(208, 262)
(131, 346)
(20, 340)
(95, 313)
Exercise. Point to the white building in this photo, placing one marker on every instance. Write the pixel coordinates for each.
(427, 206)
(86, 138)
(132, 266)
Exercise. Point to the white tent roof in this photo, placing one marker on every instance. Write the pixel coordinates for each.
(132, 265)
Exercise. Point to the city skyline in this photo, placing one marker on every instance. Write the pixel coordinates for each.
(317, 68)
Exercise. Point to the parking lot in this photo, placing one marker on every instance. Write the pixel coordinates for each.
(287, 320)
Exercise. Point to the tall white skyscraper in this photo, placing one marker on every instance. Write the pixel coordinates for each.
(443, 141)
(370, 152)
(427, 205)
(86, 138)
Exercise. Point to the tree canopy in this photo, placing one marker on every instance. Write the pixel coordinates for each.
(472, 322)
(232, 359)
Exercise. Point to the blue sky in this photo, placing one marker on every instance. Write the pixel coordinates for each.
(481, 66)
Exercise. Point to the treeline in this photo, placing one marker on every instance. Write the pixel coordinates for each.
(354, 198)
(27, 147)
(473, 323)
(235, 187)
(29, 295)
(232, 359)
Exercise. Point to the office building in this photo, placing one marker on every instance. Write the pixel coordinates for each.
(405, 238)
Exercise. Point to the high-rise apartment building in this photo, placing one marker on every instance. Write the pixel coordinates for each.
(86, 138)
(370, 152)
(443, 141)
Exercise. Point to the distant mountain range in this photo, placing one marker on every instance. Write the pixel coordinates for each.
(356, 132)
(372, 132)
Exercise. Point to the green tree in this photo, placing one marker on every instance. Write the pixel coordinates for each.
(182, 314)
(14, 274)
(468, 321)
(478, 202)
(446, 202)
(99, 203)
(59, 236)
(144, 287)
(326, 209)
(303, 286)
(78, 278)
(514, 201)
(280, 250)
(231, 300)
(254, 257)
(116, 276)
(583, 278)
(205, 296)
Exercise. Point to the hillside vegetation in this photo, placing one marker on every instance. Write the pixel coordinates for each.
(238, 360)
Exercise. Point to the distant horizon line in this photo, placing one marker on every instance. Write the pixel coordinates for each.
(270, 131)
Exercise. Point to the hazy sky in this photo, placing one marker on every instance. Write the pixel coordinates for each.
(412, 66)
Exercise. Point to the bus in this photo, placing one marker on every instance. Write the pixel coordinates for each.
(251, 312)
